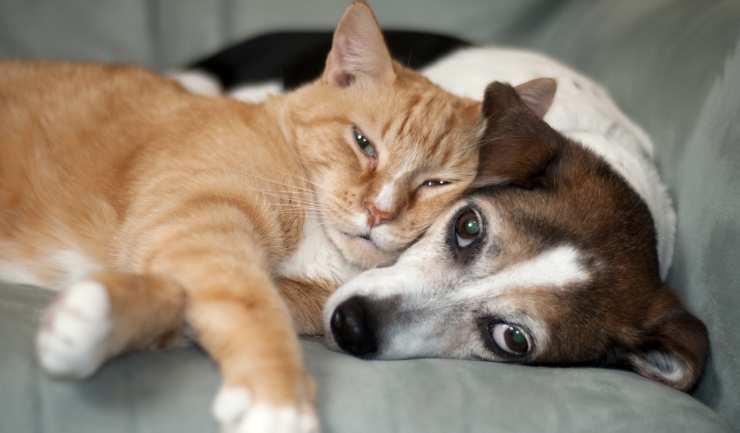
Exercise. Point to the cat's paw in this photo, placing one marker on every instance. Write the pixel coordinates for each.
(71, 340)
(237, 413)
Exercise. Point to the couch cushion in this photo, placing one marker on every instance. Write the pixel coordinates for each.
(171, 391)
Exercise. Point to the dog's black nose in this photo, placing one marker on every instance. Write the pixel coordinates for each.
(353, 327)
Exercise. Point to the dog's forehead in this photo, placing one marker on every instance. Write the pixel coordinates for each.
(558, 268)
(514, 258)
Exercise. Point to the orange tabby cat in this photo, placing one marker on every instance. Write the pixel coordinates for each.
(156, 208)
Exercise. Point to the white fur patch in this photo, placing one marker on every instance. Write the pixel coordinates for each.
(18, 274)
(412, 278)
(553, 269)
(230, 404)
(386, 196)
(235, 412)
(56, 271)
(384, 200)
(72, 267)
(316, 257)
(256, 93)
(71, 339)
(198, 82)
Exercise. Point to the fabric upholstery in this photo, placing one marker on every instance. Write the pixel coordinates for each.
(171, 391)
(672, 65)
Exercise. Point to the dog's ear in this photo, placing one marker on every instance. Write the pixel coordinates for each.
(517, 145)
(538, 94)
(358, 48)
(673, 346)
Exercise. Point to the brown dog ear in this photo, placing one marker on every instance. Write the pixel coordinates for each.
(538, 94)
(674, 344)
(517, 145)
(358, 48)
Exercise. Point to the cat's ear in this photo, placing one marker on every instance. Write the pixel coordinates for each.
(538, 94)
(358, 48)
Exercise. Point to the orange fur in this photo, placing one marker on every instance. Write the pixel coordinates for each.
(187, 206)
(146, 311)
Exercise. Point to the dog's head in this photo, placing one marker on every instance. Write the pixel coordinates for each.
(550, 259)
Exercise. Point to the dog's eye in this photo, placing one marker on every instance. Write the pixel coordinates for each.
(363, 143)
(467, 228)
(509, 338)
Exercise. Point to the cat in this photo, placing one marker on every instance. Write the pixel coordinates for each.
(161, 213)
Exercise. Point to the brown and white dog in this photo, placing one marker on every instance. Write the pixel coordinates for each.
(556, 255)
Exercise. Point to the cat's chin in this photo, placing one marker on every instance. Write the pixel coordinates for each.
(361, 251)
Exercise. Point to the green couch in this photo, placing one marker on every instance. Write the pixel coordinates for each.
(672, 65)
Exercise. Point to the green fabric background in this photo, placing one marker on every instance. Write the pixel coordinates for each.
(672, 65)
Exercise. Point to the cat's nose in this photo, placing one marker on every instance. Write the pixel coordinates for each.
(375, 215)
(353, 327)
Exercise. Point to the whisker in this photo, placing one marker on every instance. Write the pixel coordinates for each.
(306, 180)
(288, 206)
(498, 138)
(242, 172)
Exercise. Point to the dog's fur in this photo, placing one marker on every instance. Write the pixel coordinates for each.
(576, 236)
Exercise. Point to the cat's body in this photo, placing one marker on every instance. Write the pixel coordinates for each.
(158, 208)
(143, 151)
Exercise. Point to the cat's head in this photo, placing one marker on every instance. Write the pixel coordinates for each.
(386, 149)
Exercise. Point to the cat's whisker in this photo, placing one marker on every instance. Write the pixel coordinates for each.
(294, 189)
(290, 187)
(286, 206)
(279, 196)
(306, 180)
(301, 196)
(482, 143)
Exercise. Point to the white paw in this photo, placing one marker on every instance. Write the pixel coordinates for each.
(71, 339)
(237, 413)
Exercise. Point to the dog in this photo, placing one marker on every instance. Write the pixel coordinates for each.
(555, 256)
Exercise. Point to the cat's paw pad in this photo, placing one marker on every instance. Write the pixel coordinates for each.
(71, 339)
(237, 413)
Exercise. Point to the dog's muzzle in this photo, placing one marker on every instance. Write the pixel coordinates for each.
(353, 327)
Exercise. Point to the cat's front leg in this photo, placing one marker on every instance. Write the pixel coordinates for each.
(238, 316)
(265, 387)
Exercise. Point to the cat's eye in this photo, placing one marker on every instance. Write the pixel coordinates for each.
(365, 145)
(435, 182)
(467, 229)
(509, 338)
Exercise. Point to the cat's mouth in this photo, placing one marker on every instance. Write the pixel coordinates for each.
(360, 249)
(365, 236)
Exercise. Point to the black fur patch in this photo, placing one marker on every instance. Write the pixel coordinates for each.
(296, 58)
